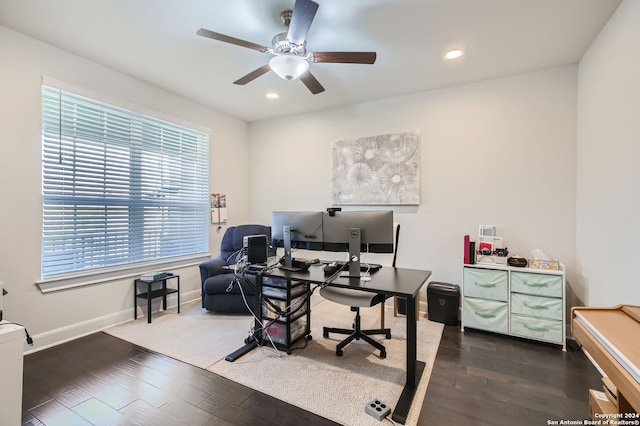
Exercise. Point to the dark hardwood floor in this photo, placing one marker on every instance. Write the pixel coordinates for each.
(488, 379)
(478, 379)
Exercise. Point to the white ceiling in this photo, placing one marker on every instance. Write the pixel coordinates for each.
(155, 41)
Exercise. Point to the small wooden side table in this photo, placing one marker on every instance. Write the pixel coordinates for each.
(150, 294)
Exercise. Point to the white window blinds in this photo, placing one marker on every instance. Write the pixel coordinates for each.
(118, 187)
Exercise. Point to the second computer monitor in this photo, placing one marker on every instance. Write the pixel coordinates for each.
(305, 229)
(376, 230)
(296, 230)
(356, 232)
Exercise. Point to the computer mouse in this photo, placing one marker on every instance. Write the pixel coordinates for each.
(331, 268)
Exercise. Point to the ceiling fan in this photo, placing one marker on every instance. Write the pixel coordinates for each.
(289, 49)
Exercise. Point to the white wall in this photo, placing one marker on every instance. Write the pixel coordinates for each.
(608, 198)
(61, 315)
(500, 152)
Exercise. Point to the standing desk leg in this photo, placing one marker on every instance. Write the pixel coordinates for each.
(248, 347)
(251, 342)
(414, 367)
(149, 302)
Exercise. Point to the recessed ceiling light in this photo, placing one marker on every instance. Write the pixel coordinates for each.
(453, 54)
(272, 95)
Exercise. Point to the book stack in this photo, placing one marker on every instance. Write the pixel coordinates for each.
(469, 251)
(153, 276)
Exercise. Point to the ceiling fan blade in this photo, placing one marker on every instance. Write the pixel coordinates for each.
(253, 75)
(303, 13)
(228, 39)
(345, 57)
(312, 83)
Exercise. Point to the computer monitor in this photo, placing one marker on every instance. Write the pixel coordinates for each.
(357, 232)
(296, 229)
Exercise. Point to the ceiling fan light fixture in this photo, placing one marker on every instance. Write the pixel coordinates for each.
(290, 59)
(289, 67)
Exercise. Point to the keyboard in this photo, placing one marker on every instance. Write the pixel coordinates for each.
(364, 267)
(297, 264)
(256, 267)
(293, 268)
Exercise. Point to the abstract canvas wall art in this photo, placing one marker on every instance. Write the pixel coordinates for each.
(382, 169)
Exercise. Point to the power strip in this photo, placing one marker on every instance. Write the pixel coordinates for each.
(377, 409)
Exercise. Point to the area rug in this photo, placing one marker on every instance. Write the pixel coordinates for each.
(312, 377)
(194, 336)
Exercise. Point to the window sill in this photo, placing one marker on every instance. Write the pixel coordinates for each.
(68, 282)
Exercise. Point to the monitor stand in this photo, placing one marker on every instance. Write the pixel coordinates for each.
(354, 270)
(354, 254)
(286, 236)
(288, 263)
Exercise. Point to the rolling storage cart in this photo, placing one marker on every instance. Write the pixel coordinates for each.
(285, 312)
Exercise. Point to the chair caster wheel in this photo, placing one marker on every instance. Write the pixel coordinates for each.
(325, 334)
(339, 352)
(383, 354)
(388, 336)
(309, 337)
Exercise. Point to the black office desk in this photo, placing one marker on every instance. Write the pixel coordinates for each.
(399, 282)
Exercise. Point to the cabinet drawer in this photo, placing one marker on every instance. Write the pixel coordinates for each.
(282, 292)
(275, 282)
(298, 305)
(537, 306)
(485, 314)
(485, 284)
(277, 331)
(536, 328)
(540, 284)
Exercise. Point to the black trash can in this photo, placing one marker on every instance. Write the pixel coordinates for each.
(443, 302)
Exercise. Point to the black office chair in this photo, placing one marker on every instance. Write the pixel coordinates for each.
(359, 299)
(356, 299)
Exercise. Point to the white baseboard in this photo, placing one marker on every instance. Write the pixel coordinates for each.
(74, 331)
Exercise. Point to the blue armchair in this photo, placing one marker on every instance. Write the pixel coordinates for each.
(217, 295)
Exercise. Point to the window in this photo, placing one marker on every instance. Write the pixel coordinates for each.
(118, 187)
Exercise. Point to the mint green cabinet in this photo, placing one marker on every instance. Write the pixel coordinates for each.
(523, 302)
